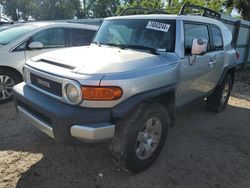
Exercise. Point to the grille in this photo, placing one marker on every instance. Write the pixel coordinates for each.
(46, 84)
(35, 113)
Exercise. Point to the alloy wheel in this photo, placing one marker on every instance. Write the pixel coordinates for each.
(148, 138)
(6, 85)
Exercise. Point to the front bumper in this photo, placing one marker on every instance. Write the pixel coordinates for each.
(63, 122)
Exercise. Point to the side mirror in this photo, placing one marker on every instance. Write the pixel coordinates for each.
(35, 45)
(199, 47)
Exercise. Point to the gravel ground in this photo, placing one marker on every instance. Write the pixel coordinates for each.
(204, 149)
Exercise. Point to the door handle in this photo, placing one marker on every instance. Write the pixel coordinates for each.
(211, 63)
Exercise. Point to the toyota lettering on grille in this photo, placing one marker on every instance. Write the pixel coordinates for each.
(43, 83)
(46, 84)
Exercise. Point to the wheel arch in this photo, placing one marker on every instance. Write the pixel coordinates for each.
(12, 70)
(168, 100)
(232, 72)
(227, 70)
(165, 95)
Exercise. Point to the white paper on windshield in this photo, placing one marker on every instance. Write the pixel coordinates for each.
(158, 26)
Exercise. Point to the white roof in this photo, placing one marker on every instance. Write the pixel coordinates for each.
(60, 24)
(169, 17)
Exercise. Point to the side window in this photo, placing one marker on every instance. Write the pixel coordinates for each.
(50, 38)
(81, 37)
(217, 38)
(192, 31)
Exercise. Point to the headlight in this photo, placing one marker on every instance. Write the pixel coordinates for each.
(73, 93)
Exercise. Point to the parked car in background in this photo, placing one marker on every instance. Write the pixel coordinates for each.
(20, 42)
(2, 23)
(3, 27)
(5, 21)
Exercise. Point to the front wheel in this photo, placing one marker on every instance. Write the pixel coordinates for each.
(140, 137)
(8, 80)
(219, 99)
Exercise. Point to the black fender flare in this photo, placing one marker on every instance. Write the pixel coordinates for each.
(122, 109)
(225, 72)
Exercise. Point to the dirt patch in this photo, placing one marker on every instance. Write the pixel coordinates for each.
(242, 84)
(203, 150)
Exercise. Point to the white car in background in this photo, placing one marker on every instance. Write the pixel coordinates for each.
(20, 42)
(4, 27)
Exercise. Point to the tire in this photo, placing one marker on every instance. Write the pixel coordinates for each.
(217, 102)
(128, 149)
(7, 80)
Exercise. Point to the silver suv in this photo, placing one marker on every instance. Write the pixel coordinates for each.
(126, 86)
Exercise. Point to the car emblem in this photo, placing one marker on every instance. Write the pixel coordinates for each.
(43, 83)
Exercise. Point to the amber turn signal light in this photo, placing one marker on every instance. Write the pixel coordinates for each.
(101, 93)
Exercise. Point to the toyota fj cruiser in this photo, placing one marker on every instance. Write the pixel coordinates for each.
(127, 84)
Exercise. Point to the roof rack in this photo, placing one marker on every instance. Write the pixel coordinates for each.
(206, 11)
(139, 10)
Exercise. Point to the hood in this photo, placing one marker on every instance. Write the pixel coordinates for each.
(104, 59)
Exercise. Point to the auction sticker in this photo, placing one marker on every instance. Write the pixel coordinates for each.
(158, 26)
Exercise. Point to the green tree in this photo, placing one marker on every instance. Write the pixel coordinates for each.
(83, 8)
(79, 12)
(174, 6)
(18, 9)
(150, 4)
(242, 5)
(54, 10)
(105, 8)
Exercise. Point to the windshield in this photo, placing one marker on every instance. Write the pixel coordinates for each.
(12, 33)
(138, 34)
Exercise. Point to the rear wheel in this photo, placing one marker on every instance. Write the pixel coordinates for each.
(219, 99)
(140, 137)
(8, 80)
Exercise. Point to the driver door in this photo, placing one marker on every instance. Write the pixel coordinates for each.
(195, 70)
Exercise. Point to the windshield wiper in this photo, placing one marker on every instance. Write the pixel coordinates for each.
(97, 43)
(139, 47)
(123, 46)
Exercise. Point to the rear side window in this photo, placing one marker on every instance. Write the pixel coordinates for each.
(195, 31)
(217, 38)
(81, 37)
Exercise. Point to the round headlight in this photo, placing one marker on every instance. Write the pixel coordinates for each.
(72, 93)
